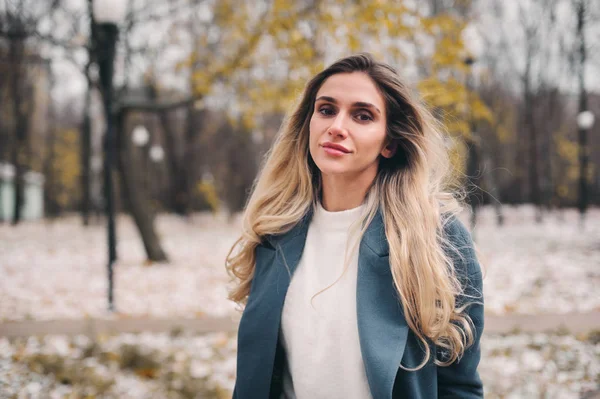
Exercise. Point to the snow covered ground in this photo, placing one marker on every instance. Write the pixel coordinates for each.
(552, 267)
(129, 366)
(548, 366)
(58, 270)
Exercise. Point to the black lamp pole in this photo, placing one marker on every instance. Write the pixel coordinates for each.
(107, 34)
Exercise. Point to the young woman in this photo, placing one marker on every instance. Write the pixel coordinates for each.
(358, 280)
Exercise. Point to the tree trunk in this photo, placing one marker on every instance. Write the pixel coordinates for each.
(534, 187)
(473, 173)
(519, 183)
(583, 106)
(140, 209)
(177, 174)
(20, 124)
(17, 184)
(86, 153)
(473, 161)
(50, 201)
(533, 159)
(547, 150)
(189, 158)
(490, 179)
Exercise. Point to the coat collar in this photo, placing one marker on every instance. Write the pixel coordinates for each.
(382, 327)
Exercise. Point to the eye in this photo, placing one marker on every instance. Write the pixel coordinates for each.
(364, 116)
(326, 110)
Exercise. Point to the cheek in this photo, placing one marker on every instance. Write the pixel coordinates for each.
(312, 138)
(313, 131)
(374, 142)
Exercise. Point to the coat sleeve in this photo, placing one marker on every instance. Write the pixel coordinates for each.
(461, 379)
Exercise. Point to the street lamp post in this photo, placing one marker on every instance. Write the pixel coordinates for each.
(107, 14)
(585, 121)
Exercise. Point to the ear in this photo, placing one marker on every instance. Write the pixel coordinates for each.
(390, 149)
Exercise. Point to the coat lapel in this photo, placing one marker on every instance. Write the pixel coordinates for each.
(382, 328)
(259, 326)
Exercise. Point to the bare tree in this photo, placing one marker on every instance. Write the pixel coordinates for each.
(531, 53)
(18, 24)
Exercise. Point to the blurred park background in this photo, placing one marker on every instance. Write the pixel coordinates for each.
(152, 117)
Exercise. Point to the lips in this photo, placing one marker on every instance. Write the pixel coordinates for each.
(336, 147)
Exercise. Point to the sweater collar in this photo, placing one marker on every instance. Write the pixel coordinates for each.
(336, 221)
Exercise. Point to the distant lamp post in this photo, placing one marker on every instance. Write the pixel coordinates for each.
(585, 121)
(140, 136)
(107, 15)
(157, 154)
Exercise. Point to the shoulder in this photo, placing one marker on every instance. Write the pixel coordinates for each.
(456, 231)
(459, 246)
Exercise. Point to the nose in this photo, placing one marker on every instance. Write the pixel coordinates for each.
(337, 127)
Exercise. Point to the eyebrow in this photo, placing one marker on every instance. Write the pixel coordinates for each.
(356, 104)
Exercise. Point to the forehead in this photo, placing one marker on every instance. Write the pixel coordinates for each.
(350, 88)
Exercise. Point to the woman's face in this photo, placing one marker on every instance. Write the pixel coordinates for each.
(348, 126)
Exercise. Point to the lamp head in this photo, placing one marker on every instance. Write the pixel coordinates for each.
(157, 153)
(585, 120)
(140, 136)
(109, 11)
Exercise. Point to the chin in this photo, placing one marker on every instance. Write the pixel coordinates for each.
(327, 168)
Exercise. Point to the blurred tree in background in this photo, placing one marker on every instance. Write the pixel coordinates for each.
(211, 81)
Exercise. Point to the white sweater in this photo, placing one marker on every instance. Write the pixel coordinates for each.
(321, 339)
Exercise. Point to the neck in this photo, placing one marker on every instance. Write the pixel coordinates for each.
(341, 193)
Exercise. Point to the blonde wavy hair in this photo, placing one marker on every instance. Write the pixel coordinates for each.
(410, 190)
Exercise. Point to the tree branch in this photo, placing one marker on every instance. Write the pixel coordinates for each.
(152, 106)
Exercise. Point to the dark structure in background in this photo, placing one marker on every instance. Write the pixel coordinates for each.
(107, 14)
(585, 119)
